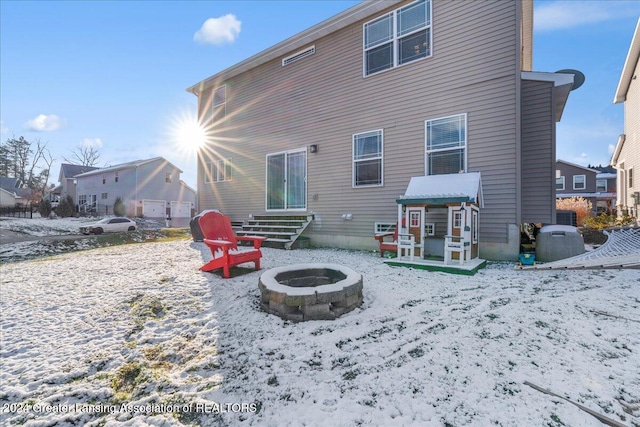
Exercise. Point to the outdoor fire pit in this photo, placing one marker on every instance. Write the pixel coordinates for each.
(310, 291)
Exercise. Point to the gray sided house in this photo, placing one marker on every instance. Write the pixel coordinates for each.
(151, 188)
(66, 178)
(599, 189)
(335, 121)
(626, 156)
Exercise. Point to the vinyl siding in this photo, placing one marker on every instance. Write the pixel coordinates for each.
(538, 153)
(324, 99)
(630, 153)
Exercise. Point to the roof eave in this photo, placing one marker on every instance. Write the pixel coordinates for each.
(562, 85)
(629, 67)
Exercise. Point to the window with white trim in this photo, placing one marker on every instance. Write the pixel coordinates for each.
(601, 185)
(474, 219)
(367, 159)
(82, 199)
(219, 103)
(446, 144)
(217, 170)
(414, 219)
(630, 177)
(167, 177)
(104, 196)
(560, 183)
(579, 182)
(430, 229)
(457, 219)
(398, 37)
(115, 176)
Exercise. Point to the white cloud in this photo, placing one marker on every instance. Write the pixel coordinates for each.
(217, 31)
(44, 123)
(549, 16)
(3, 128)
(91, 143)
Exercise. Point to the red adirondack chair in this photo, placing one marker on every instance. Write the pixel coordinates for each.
(223, 243)
(389, 245)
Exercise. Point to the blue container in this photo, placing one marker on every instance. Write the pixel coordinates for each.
(527, 259)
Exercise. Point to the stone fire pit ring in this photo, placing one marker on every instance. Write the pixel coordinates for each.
(303, 292)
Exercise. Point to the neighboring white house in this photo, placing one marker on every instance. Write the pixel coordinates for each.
(149, 188)
(11, 193)
(66, 178)
(626, 156)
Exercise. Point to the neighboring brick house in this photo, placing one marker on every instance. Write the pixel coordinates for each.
(573, 180)
(151, 188)
(626, 156)
(335, 121)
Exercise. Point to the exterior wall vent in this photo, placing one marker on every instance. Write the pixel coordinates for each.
(299, 55)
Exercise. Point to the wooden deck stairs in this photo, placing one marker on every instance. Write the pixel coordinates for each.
(281, 230)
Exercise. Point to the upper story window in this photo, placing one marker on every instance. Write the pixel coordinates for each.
(398, 37)
(219, 104)
(630, 177)
(217, 170)
(579, 182)
(104, 178)
(167, 177)
(446, 144)
(367, 159)
(560, 183)
(601, 185)
(116, 177)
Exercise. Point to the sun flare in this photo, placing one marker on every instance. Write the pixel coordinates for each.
(189, 135)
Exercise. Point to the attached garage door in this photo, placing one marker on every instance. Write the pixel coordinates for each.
(154, 208)
(180, 210)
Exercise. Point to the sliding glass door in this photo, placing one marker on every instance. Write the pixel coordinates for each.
(287, 180)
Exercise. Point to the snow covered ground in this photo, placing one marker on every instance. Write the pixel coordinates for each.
(137, 335)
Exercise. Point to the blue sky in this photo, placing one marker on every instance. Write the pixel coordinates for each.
(113, 74)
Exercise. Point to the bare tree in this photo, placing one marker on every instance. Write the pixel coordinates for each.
(84, 155)
(19, 159)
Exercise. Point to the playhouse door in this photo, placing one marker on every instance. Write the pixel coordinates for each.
(415, 225)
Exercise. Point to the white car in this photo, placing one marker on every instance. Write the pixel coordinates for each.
(109, 225)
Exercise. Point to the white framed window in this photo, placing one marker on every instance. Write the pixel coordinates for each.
(446, 145)
(104, 196)
(457, 219)
(104, 178)
(116, 176)
(601, 185)
(167, 177)
(367, 159)
(414, 219)
(217, 170)
(430, 229)
(560, 183)
(82, 199)
(630, 177)
(579, 182)
(384, 227)
(398, 37)
(219, 103)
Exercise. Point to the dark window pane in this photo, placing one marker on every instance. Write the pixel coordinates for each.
(413, 47)
(380, 58)
(446, 162)
(368, 172)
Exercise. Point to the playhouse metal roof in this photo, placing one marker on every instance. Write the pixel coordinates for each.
(443, 189)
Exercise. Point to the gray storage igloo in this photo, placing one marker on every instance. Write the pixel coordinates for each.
(555, 242)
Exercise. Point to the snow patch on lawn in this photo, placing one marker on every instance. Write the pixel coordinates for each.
(141, 325)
